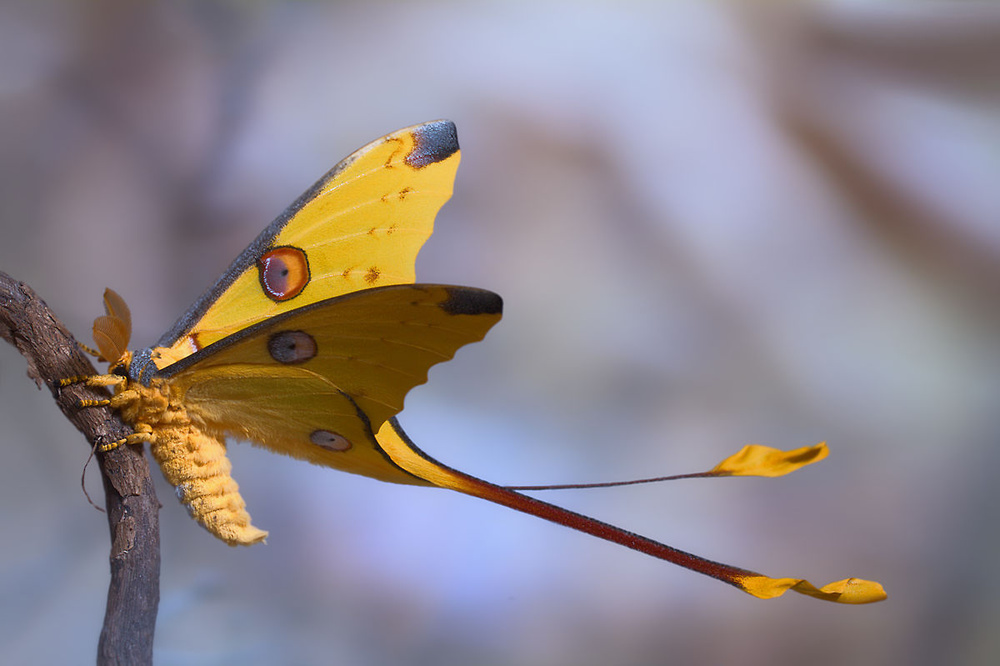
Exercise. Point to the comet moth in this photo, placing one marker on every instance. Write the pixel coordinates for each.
(309, 342)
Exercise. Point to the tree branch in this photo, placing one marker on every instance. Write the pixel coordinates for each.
(134, 592)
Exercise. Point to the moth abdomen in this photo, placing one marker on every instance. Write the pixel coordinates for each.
(195, 463)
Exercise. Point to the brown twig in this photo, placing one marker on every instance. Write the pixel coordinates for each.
(134, 592)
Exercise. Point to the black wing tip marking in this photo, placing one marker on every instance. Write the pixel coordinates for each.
(433, 142)
(469, 301)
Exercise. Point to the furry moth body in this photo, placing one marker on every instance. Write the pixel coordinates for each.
(192, 456)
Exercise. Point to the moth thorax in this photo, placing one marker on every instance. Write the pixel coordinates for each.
(141, 367)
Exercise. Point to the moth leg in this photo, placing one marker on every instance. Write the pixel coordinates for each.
(93, 380)
(117, 401)
(143, 433)
(90, 350)
(75, 379)
(123, 398)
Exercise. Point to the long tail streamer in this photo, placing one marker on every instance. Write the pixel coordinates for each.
(753, 460)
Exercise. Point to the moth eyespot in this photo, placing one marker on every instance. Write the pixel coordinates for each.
(291, 347)
(283, 272)
(330, 441)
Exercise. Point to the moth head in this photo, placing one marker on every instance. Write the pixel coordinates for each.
(113, 330)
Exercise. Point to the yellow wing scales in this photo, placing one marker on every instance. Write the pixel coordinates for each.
(335, 370)
(360, 226)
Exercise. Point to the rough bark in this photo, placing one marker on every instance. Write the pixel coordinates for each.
(134, 592)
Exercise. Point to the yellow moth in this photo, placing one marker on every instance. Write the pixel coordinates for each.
(309, 342)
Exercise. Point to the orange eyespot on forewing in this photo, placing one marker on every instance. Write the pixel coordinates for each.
(283, 272)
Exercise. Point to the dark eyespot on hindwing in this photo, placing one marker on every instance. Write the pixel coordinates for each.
(291, 347)
(329, 440)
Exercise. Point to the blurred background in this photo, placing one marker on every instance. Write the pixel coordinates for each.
(712, 224)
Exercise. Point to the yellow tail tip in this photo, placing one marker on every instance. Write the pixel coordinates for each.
(847, 591)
